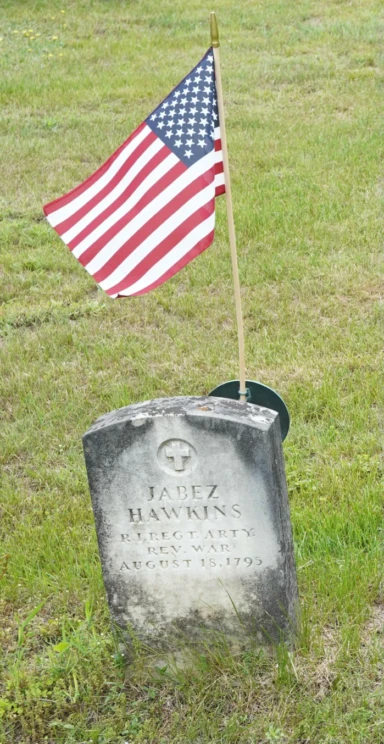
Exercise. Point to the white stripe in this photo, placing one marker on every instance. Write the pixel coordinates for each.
(218, 156)
(219, 179)
(135, 169)
(171, 258)
(217, 133)
(61, 214)
(161, 233)
(201, 166)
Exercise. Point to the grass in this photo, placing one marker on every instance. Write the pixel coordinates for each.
(304, 86)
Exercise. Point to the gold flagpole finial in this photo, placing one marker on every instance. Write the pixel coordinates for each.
(214, 30)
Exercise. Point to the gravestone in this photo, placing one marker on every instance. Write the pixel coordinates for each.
(192, 519)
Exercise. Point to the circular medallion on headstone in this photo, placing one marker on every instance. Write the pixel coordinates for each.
(177, 457)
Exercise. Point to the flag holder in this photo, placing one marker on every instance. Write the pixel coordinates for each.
(243, 390)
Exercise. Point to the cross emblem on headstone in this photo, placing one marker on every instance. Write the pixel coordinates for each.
(178, 452)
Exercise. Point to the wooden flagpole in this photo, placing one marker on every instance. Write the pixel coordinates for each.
(228, 195)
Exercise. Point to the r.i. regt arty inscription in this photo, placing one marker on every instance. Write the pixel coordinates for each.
(192, 519)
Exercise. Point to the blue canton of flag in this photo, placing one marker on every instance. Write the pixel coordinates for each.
(150, 209)
(186, 120)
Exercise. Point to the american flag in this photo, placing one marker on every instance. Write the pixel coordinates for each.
(150, 209)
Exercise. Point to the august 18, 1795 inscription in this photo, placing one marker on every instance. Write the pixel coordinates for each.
(192, 519)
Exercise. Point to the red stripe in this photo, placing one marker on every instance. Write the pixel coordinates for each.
(164, 247)
(124, 196)
(220, 190)
(217, 144)
(201, 246)
(149, 227)
(64, 200)
(166, 180)
(62, 227)
(219, 167)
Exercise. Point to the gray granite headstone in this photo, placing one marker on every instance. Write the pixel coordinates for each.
(192, 519)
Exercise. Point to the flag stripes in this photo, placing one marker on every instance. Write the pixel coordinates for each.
(193, 202)
(143, 196)
(145, 213)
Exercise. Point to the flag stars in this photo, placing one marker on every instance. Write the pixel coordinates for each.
(185, 119)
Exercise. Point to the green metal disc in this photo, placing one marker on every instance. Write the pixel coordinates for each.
(260, 395)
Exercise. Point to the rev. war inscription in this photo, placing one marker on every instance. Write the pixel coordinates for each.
(192, 519)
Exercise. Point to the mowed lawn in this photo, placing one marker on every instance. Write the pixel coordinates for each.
(304, 92)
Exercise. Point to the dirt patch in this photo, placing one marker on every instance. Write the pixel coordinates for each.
(373, 631)
(325, 672)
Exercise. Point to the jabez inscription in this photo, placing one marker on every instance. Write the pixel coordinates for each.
(182, 493)
(192, 519)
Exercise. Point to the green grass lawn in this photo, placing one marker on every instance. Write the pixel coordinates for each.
(304, 91)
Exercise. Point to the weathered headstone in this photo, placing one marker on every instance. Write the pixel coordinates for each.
(192, 518)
